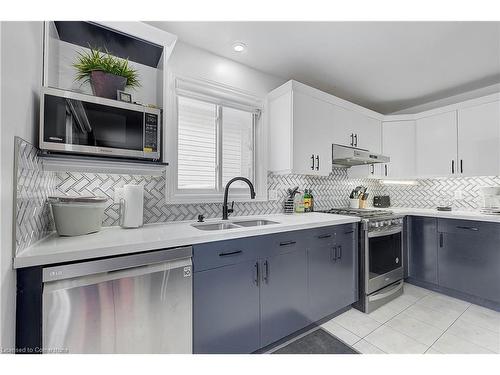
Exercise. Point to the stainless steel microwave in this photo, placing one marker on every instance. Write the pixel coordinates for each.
(76, 123)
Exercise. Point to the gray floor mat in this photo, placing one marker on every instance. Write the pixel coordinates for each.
(316, 342)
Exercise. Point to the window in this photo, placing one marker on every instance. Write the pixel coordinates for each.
(215, 142)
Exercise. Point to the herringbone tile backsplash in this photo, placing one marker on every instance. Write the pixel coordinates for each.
(34, 185)
(331, 191)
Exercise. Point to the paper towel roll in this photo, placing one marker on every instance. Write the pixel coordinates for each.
(132, 206)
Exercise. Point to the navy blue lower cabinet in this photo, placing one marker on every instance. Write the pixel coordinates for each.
(332, 276)
(423, 262)
(469, 257)
(226, 317)
(283, 298)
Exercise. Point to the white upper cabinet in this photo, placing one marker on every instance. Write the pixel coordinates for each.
(304, 123)
(398, 142)
(312, 142)
(300, 132)
(436, 139)
(479, 140)
(359, 130)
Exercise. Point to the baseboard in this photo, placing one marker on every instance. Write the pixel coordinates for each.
(455, 294)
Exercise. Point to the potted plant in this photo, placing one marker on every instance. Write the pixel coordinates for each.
(106, 73)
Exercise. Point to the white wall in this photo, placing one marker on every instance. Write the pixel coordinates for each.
(193, 62)
(21, 78)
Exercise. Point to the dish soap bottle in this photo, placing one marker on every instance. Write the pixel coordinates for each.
(299, 203)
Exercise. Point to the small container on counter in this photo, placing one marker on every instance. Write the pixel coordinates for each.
(75, 216)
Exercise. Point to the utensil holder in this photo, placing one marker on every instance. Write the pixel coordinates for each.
(354, 203)
(288, 206)
(362, 203)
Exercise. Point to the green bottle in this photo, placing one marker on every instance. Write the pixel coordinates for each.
(307, 200)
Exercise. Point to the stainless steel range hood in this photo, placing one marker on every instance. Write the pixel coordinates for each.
(346, 157)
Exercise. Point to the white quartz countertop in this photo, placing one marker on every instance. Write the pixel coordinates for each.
(117, 241)
(463, 215)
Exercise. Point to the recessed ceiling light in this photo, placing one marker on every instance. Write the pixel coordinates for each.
(239, 46)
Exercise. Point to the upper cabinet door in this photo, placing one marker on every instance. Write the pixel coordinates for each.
(312, 135)
(479, 140)
(363, 131)
(344, 125)
(436, 138)
(398, 142)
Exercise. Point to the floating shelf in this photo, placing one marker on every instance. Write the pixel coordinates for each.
(87, 34)
(89, 164)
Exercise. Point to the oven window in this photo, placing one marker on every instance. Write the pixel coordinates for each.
(81, 123)
(384, 254)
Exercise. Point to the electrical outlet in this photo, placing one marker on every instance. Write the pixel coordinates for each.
(272, 195)
(458, 194)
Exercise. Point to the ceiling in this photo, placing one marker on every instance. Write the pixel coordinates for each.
(384, 66)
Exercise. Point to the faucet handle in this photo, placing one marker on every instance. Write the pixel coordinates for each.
(230, 210)
(201, 218)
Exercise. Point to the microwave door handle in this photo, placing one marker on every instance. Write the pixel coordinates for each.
(78, 112)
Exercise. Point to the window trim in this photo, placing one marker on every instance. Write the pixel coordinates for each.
(221, 95)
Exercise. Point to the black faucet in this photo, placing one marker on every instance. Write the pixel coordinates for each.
(225, 210)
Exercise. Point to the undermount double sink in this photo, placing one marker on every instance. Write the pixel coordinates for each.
(223, 225)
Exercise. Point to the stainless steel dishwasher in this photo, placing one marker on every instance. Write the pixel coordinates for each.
(129, 304)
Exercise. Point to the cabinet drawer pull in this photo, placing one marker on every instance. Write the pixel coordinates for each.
(355, 140)
(461, 166)
(339, 252)
(317, 162)
(349, 232)
(468, 228)
(230, 253)
(352, 139)
(324, 236)
(441, 240)
(312, 166)
(452, 166)
(286, 243)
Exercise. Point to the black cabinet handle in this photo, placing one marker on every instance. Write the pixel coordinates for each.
(266, 273)
(321, 236)
(339, 256)
(352, 139)
(355, 140)
(461, 166)
(333, 254)
(468, 228)
(312, 166)
(373, 169)
(349, 232)
(317, 162)
(440, 239)
(385, 170)
(256, 275)
(230, 253)
(453, 166)
(286, 243)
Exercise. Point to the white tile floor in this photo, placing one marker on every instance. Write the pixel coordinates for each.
(420, 321)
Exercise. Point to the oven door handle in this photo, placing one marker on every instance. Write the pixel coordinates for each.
(376, 297)
(385, 232)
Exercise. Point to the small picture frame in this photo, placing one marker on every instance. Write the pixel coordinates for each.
(124, 96)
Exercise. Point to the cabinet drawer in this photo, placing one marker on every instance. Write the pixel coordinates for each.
(454, 226)
(285, 242)
(222, 253)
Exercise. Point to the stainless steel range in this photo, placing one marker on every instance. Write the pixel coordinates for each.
(380, 256)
